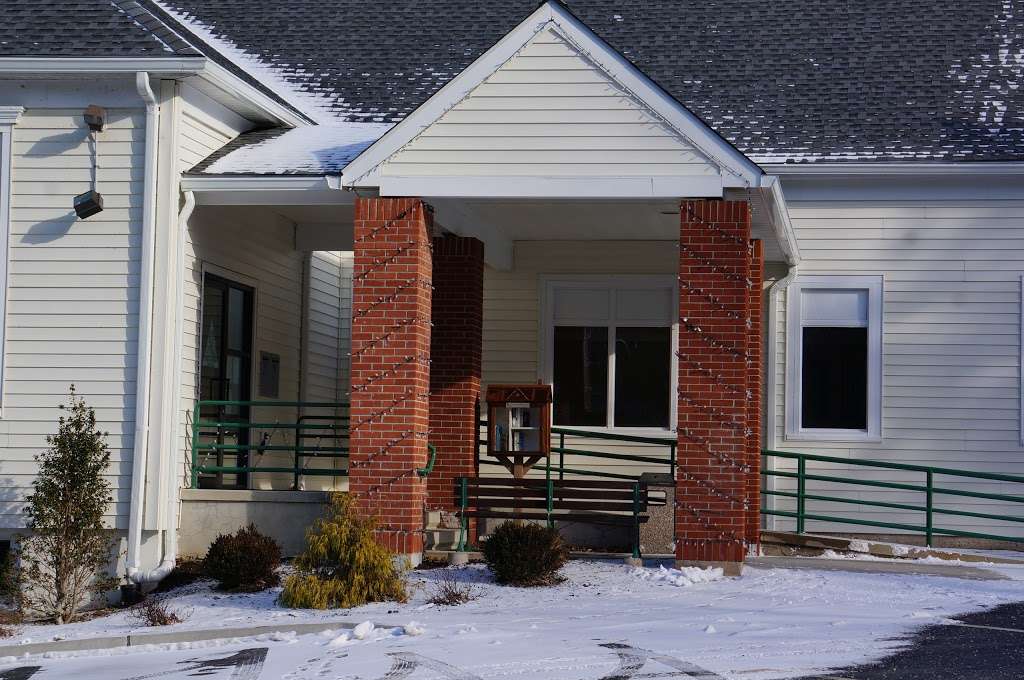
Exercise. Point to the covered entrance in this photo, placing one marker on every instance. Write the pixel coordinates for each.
(552, 215)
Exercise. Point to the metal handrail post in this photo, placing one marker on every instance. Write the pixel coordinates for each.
(801, 492)
(561, 456)
(636, 520)
(463, 521)
(551, 500)
(195, 446)
(929, 507)
(297, 454)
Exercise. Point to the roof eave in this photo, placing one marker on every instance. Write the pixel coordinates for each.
(890, 168)
(215, 77)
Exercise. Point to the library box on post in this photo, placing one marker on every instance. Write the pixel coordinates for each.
(519, 425)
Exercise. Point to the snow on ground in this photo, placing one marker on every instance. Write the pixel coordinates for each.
(771, 623)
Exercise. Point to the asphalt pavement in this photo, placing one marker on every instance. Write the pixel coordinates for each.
(986, 645)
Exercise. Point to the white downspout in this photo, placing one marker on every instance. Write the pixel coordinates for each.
(170, 532)
(142, 386)
(771, 403)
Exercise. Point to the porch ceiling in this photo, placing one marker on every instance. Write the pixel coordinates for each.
(499, 223)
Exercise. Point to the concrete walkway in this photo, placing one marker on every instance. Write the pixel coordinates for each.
(878, 567)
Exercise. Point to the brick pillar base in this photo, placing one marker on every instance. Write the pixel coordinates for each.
(712, 487)
(455, 350)
(391, 298)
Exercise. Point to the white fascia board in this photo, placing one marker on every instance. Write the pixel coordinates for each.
(364, 170)
(883, 168)
(253, 183)
(781, 222)
(176, 67)
(266, 190)
(157, 66)
(694, 186)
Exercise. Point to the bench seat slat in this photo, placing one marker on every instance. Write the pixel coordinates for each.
(557, 505)
(595, 518)
(565, 483)
(513, 492)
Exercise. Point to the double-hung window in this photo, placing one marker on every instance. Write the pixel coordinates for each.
(610, 351)
(834, 358)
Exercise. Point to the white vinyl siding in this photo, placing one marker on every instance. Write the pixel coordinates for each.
(254, 247)
(327, 342)
(549, 111)
(951, 340)
(72, 312)
(204, 127)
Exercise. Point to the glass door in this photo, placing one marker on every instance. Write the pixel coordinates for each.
(225, 374)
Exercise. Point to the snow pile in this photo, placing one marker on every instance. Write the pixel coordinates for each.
(685, 577)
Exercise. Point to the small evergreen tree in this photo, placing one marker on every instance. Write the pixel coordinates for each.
(343, 565)
(66, 553)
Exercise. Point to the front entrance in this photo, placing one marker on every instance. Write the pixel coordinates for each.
(226, 375)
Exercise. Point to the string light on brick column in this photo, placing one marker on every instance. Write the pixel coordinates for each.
(387, 299)
(718, 307)
(394, 249)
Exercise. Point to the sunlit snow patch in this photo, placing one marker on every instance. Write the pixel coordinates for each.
(685, 577)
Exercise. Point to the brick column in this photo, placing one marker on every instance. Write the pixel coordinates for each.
(455, 349)
(714, 283)
(755, 369)
(390, 369)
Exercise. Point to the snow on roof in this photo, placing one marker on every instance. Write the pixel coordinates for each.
(308, 150)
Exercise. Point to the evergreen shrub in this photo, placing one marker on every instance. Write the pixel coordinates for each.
(245, 561)
(525, 554)
(343, 565)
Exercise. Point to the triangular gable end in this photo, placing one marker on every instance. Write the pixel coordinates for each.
(551, 111)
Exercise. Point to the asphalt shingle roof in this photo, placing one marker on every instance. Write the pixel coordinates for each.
(782, 80)
(794, 80)
(86, 28)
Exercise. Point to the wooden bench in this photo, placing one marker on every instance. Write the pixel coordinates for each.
(611, 502)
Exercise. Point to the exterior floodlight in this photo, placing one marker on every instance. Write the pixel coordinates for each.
(88, 204)
(95, 117)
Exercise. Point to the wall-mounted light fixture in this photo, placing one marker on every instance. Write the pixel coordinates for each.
(91, 202)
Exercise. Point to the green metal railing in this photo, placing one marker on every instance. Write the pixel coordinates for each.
(316, 437)
(926, 487)
(558, 436)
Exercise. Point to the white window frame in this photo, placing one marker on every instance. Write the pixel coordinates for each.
(9, 116)
(611, 283)
(794, 357)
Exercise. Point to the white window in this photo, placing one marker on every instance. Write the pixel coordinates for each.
(834, 358)
(8, 118)
(609, 351)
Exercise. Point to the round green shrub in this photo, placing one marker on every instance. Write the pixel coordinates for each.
(244, 561)
(525, 554)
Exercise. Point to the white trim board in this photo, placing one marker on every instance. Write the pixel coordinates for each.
(794, 357)
(9, 116)
(735, 168)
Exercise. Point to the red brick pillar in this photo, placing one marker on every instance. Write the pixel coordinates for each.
(714, 290)
(455, 350)
(391, 296)
(755, 368)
